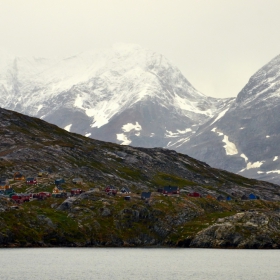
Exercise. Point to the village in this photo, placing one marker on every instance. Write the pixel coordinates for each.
(21, 189)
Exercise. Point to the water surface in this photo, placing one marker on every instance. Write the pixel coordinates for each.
(130, 263)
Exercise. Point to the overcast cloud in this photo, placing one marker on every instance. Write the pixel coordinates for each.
(217, 44)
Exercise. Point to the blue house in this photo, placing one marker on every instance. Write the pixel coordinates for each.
(228, 198)
(59, 181)
(145, 195)
(252, 196)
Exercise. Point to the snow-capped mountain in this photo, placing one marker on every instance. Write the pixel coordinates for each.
(245, 138)
(133, 96)
(125, 94)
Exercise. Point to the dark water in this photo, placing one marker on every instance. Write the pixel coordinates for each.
(93, 263)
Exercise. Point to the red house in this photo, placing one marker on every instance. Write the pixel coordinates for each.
(20, 198)
(194, 194)
(111, 190)
(76, 192)
(31, 181)
(46, 194)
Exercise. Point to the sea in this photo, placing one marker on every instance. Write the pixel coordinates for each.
(137, 263)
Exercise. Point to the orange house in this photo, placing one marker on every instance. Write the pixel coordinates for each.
(58, 189)
(18, 176)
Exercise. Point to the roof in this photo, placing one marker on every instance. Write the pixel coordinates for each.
(111, 187)
(170, 188)
(145, 194)
(126, 189)
(77, 179)
(2, 179)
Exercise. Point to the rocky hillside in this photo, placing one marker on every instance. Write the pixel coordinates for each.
(96, 219)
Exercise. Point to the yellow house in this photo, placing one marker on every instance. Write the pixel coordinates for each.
(58, 189)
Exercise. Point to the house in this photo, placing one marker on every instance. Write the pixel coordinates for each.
(58, 190)
(252, 196)
(31, 181)
(127, 197)
(221, 198)
(146, 195)
(47, 194)
(59, 181)
(160, 190)
(9, 192)
(40, 196)
(125, 190)
(209, 196)
(194, 194)
(59, 195)
(244, 197)
(43, 173)
(4, 184)
(76, 191)
(4, 180)
(77, 181)
(168, 190)
(20, 198)
(228, 198)
(18, 176)
(111, 190)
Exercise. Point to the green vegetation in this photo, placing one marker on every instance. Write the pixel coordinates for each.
(162, 179)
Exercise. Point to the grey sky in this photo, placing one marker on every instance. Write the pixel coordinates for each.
(217, 44)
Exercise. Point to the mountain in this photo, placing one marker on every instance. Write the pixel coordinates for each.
(133, 96)
(125, 94)
(245, 138)
(94, 218)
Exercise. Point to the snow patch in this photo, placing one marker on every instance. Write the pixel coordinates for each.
(241, 128)
(187, 105)
(170, 134)
(275, 158)
(137, 134)
(273, 171)
(251, 165)
(260, 172)
(243, 156)
(256, 164)
(68, 127)
(229, 146)
(79, 102)
(267, 136)
(184, 131)
(220, 115)
(152, 135)
(122, 137)
(129, 126)
(39, 108)
(87, 134)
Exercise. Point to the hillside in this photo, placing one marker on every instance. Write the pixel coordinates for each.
(93, 218)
